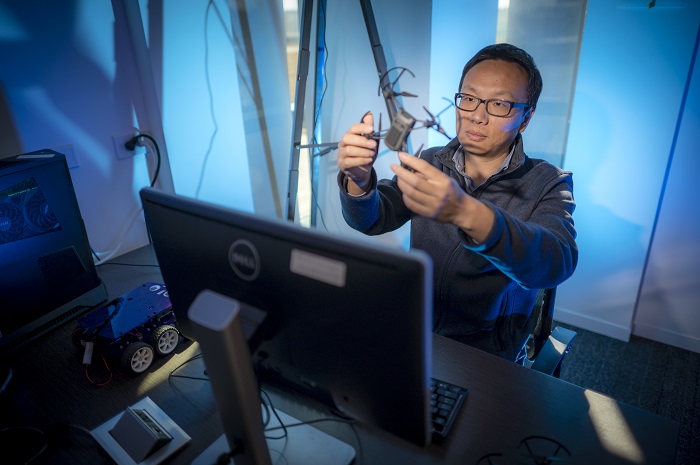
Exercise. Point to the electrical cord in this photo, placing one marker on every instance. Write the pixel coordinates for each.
(30, 445)
(269, 409)
(121, 237)
(274, 412)
(131, 145)
(94, 254)
(191, 359)
(88, 338)
(11, 436)
(318, 106)
(58, 437)
(99, 383)
(210, 5)
(226, 457)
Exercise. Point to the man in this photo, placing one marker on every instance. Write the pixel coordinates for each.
(497, 224)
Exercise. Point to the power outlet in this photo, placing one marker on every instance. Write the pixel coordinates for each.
(121, 151)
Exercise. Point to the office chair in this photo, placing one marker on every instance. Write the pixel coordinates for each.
(546, 348)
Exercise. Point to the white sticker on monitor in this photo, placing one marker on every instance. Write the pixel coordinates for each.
(322, 269)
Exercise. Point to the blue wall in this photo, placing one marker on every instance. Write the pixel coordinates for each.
(667, 307)
(633, 70)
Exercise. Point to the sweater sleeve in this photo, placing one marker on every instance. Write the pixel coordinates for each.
(378, 211)
(539, 252)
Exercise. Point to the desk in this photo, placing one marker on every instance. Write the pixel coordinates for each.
(507, 403)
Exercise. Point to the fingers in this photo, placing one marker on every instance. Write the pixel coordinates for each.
(414, 186)
(355, 138)
(365, 126)
(368, 118)
(418, 164)
(355, 150)
(357, 153)
(426, 190)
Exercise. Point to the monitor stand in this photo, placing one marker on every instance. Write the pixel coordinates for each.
(303, 445)
(217, 323)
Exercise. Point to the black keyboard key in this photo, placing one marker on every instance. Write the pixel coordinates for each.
(446, 400)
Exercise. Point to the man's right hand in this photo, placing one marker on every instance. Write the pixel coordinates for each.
(356, 155)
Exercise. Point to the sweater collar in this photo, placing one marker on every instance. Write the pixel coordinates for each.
(446, 154)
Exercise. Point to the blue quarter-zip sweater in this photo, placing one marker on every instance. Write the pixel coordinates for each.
(484, 293)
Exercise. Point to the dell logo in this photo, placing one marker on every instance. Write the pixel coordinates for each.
(244, 259)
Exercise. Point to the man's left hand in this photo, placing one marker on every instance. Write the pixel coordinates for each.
(427, 191)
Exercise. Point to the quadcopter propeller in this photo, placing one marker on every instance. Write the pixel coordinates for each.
(434, 123)
(390, 88)
(405, 94)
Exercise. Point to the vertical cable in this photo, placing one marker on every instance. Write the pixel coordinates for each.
(320, 90)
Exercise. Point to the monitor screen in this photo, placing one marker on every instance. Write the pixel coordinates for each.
(348, 323)
(46, 269)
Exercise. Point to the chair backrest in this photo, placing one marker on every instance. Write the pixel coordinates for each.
(558, 344)
(546, 348)
(543, 311)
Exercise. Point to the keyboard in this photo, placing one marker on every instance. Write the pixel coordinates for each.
(446, 400)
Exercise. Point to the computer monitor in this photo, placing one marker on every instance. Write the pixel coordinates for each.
(347, 323)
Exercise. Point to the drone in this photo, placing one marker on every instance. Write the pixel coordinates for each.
(402, 123)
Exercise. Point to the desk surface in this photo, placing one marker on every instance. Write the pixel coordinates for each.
(507, 404)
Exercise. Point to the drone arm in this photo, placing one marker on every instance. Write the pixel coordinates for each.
(379, 58)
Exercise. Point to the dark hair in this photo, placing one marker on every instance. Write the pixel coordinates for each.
(513, 54)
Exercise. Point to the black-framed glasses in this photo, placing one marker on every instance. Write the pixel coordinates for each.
(494, 106)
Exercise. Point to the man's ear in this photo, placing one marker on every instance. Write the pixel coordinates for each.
(526, 119)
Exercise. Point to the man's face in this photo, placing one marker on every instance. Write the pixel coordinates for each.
(480, 133)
